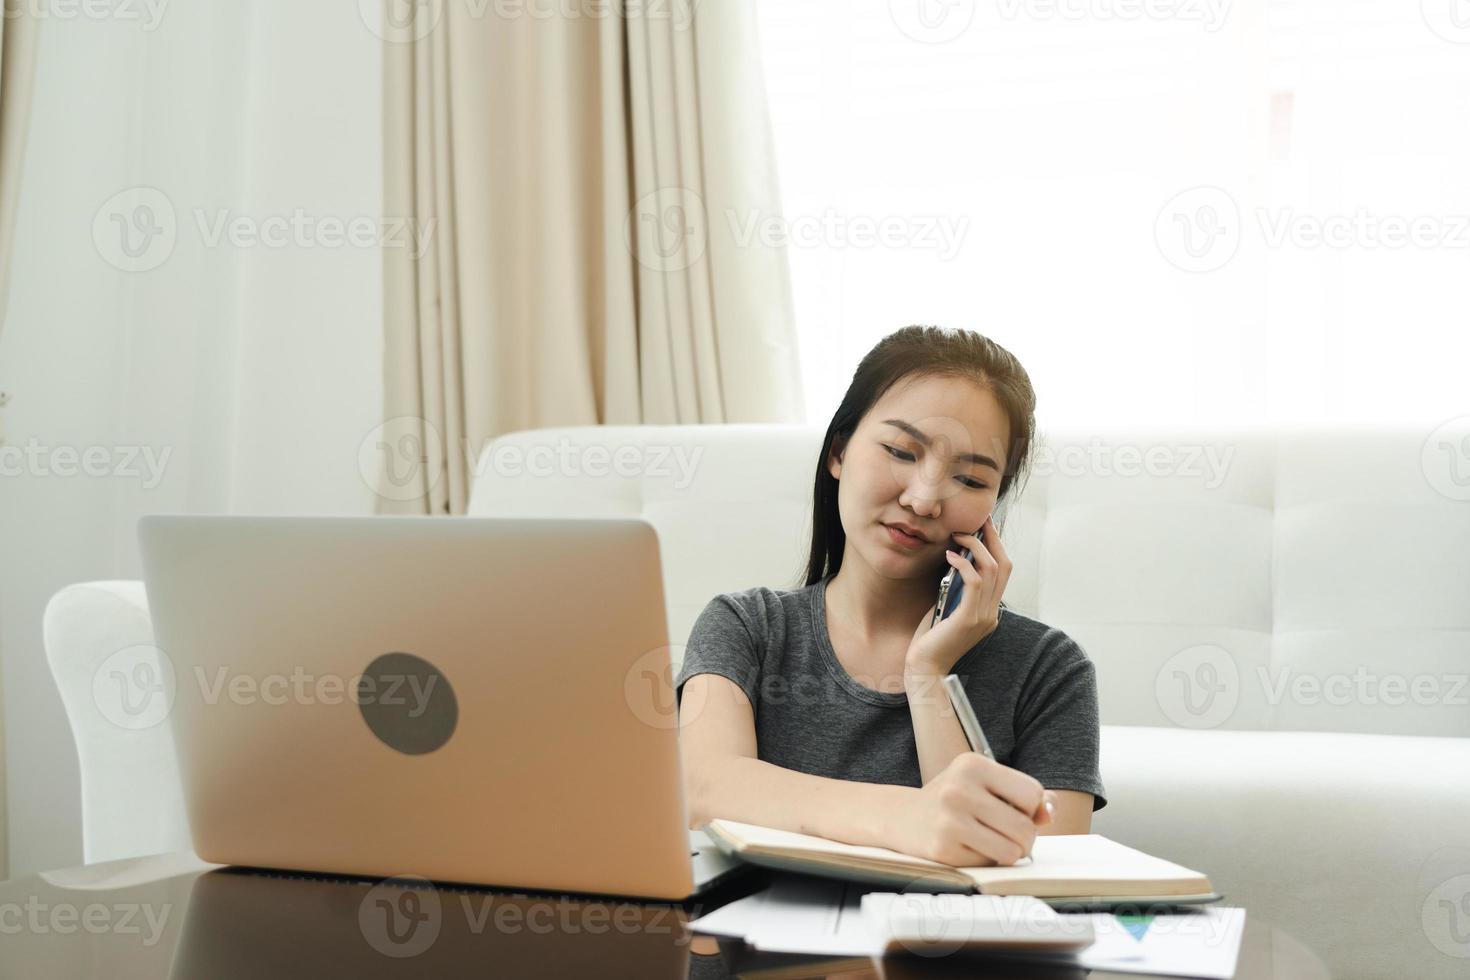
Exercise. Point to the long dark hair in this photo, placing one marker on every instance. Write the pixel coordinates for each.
(922, 351)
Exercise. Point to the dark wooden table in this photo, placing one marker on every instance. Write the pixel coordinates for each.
(173, 916)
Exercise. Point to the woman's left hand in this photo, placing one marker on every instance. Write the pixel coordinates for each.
(936, 650)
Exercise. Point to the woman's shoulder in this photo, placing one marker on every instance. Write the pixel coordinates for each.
(1044, 640)
(764, 602)
(766, 595)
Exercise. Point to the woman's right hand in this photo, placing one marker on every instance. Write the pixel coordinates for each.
(973, 814)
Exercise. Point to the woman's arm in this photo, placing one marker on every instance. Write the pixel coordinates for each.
(938, 736)
(723, 777)
(1073, 812)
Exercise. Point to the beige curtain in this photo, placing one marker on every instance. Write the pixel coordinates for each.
(18, 30)
(593, 190)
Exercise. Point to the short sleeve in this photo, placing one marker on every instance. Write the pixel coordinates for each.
(1057, 722)
(722, 642)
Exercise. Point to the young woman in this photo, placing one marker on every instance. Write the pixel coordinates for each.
(819, 709)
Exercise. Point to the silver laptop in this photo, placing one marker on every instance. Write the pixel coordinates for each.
(460, 699)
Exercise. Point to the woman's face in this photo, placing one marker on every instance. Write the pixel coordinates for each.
(912, 461)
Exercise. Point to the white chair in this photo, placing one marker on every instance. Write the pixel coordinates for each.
(1203, 588)
(132, 803)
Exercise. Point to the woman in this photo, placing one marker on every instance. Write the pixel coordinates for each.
(819, 709)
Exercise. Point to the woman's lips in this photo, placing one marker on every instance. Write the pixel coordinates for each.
(905, 540)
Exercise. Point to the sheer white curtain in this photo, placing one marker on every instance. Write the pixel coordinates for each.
(1192, 210)
(179, 306)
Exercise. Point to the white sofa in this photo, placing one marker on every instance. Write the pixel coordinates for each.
(1214, 577)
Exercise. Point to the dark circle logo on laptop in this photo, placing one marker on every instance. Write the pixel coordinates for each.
(407, 703)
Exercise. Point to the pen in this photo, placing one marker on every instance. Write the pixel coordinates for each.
(965, 712)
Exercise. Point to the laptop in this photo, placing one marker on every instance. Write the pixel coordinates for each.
(475, 700)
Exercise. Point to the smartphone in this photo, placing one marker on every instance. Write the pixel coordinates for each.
(953, 584)
(950, 588)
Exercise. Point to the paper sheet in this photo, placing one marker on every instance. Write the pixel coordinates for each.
(824, 917)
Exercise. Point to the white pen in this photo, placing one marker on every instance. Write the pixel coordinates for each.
(966, 714)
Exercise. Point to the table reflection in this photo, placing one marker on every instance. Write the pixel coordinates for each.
(251, 923)
(245, 923)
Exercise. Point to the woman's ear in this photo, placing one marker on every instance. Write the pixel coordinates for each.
(834, 458)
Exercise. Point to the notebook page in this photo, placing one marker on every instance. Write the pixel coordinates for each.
(1085, 856)
(757, 836)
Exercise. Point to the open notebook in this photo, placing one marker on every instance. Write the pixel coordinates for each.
(1087, 867)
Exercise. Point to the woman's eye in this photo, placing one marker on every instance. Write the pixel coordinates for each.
(900, 454)
(897, 453)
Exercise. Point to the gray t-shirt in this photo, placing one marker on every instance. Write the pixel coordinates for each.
(1033, 689)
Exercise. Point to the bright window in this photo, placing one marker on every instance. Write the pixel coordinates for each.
(1190, 211)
